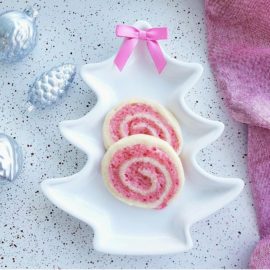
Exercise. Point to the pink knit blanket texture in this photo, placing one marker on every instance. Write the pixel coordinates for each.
(238, 36)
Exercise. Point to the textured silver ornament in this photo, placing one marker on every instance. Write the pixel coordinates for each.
(18, 34)
(51, 86)
(11, 159)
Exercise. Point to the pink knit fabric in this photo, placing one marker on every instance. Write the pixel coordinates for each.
(260, 256)
(239, 54)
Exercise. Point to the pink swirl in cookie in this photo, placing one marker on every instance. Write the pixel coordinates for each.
(142, 118)
(144, 175)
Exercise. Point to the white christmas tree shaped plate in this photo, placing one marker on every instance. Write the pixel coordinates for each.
(119, 228)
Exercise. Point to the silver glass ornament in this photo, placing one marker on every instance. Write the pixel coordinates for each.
(11, 159)
(51, 86)
(18, 34)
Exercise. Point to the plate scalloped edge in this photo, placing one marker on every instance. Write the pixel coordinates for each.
(76, 132)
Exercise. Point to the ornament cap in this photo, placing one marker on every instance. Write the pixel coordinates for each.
(32, 12)
(30, 106)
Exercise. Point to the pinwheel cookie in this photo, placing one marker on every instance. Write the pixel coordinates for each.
(143, 171)
(141, 117)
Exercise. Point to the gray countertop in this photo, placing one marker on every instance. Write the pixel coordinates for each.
(33, 232)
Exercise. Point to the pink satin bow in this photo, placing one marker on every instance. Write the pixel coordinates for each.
(133, 35)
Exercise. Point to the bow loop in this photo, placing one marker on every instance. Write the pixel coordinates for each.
(126, 31)
(133, 35)
(157, 33)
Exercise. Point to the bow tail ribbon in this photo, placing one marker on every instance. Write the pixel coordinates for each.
(124, 52)
(157, 55)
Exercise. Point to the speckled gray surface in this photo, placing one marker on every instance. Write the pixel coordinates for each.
(33, 232)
